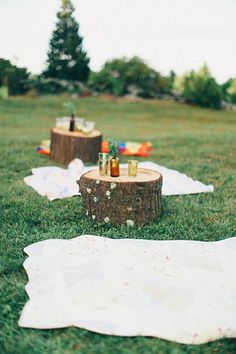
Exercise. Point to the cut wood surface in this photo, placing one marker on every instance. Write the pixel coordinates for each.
(66, 145)
(93, 134)
(122, 200)
(143, 175)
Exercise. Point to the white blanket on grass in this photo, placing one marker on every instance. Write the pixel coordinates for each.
(184, 291)
(58, 183)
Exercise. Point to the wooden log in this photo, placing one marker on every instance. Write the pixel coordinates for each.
(122, 200)
(66, 145)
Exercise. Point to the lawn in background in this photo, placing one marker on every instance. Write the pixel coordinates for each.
(198, 142)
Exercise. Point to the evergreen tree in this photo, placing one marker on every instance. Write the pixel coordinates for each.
(66, 57)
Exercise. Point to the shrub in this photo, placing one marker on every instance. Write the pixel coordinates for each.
(231, 91)
(14, 78)
(3, 92)
(56, 86)
(200, 88)
(121, 76)
(224, 89)
(47, 86)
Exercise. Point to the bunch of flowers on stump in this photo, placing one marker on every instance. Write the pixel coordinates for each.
(114, 159)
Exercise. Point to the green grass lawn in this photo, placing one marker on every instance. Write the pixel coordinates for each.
(198, 142)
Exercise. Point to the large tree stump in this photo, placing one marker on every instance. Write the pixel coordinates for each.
(66, 145)
(122, 200)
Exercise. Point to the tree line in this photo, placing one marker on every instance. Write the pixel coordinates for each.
(68, 71)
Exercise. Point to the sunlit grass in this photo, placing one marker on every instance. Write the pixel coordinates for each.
(198, 142)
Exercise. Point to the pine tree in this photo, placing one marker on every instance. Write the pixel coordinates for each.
(66, 57)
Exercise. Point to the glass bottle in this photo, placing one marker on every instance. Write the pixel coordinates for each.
(114, 167)
(72, 123)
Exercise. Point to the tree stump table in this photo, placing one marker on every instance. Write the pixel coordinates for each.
(66, 145)
(122, 200)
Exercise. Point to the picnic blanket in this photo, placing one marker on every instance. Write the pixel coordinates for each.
(44, 148)
(183, 291)
(57, 183)
(129, 148)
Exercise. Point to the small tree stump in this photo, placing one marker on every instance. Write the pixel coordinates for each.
(122, 200)
(66, 145)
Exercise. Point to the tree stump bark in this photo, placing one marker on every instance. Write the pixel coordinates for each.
(66, 145)
(122, 200)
